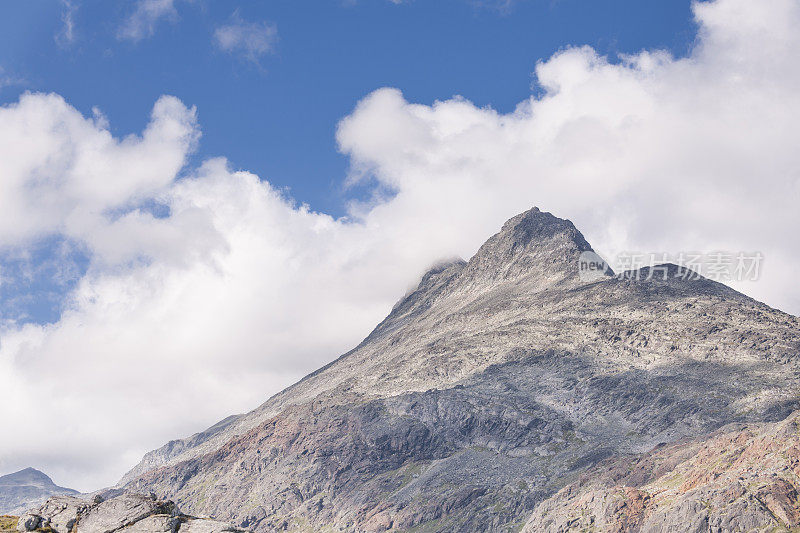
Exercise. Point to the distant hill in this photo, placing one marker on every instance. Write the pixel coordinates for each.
(25, 489)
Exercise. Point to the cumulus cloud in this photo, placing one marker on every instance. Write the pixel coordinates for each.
(651, 153)
(142, 22)
(251, 39)
(62, 173)
(231, 291)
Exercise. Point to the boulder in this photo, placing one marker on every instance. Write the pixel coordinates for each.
(28, 522)
(116, 513)
(59, 513)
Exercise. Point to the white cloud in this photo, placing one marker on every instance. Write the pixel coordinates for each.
(651, 154)
(142, 22)
(183, 319)
(66, 36)
(252, 39)
(61, 172)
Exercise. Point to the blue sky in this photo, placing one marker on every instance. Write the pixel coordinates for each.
(276, 115)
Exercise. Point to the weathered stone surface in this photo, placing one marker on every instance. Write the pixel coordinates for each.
(159, 523)
(28, 522)
(60, 513)
(489, 388)
(203, 525)
(123, 512)
(113, 514)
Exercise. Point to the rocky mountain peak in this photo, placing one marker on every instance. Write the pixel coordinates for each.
(534, 249)
(539, 228)
(534, 244)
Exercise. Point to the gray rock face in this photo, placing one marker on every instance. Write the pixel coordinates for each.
(487, 390)
(154, 524)
(200, 525)
(128, 512)
(59, 513)
(29, 522)
(740, 478)
(27, 488)
(125, 510)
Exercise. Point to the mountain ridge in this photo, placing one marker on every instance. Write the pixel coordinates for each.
(508, 359)
(432, 277)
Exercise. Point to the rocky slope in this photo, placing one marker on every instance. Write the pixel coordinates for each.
(489, 388)
(24, 489)
(741, 478)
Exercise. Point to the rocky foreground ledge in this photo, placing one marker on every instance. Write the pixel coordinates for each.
(129, 513)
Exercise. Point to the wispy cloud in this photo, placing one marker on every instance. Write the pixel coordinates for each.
(66, 36)
(251, 39)
(7, 79)
(145, 17)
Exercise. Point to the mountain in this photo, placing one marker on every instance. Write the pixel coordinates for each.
(487, 391)
(26, 488)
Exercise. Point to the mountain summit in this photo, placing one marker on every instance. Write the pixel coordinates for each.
(492, 387)
(23, 489)
(27, 476)
(532, 243)
(534, 247)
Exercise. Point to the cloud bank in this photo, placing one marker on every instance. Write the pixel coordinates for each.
(207, 290)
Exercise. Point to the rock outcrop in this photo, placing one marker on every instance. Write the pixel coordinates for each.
(128, 513)
(27, 488)
(59, 513)
(487, 390)
(741, 478)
